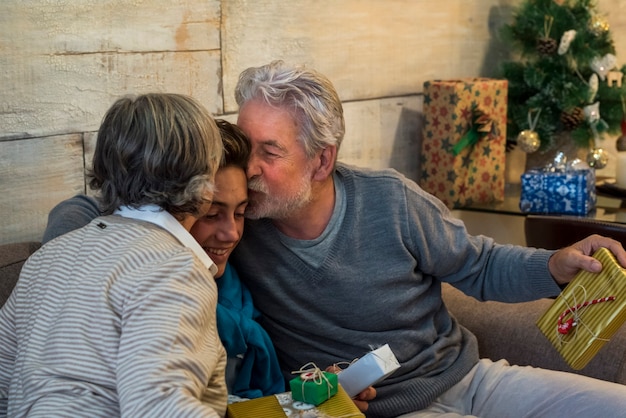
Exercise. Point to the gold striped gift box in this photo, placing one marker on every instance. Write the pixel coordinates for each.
(588, 312)
(280, 406)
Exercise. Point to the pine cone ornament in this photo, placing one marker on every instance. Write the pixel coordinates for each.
(572, 118)
(547, 46)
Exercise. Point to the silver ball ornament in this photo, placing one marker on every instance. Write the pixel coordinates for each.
(597, 158)
(528, 141)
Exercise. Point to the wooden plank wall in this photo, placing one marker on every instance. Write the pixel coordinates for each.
(63, 62)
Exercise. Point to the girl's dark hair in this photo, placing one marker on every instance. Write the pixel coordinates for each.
(237, 146)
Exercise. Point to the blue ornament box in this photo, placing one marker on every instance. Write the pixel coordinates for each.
(569, 192)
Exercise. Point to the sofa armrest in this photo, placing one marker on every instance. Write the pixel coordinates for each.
(12, 258)
(509, 331)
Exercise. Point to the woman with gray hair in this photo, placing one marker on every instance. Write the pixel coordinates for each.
(117, 318)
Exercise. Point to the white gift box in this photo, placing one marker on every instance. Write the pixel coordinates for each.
(368, 370)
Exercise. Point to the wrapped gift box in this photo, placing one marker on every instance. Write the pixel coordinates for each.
(588, 312)
(464, 138)
(370, 369)
(313, 390)
(283, 405)
(570, 192)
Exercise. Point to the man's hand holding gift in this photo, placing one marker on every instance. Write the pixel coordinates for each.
(362, 399)
(565, 263)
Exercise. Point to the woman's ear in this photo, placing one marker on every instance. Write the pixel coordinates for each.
(327, 159)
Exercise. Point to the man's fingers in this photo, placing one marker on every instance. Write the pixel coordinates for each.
(367, 394)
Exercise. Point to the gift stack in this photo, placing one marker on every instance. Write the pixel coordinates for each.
(588, 312)
(319, 394)
(464, 138)
(314, 392)
(566, 188)
(284, 405)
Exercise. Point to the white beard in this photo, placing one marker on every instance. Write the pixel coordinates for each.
(278, 207)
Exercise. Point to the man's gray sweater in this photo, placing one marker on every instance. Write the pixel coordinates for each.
(381, 283)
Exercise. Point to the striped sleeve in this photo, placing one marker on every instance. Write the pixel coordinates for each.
(169, 348)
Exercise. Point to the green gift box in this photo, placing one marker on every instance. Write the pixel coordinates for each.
(313, 388)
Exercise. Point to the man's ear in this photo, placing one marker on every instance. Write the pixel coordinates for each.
(326, 161)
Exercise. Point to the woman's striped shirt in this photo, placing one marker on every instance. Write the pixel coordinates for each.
(113, 319)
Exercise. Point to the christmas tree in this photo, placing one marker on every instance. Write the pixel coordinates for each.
(563, 78)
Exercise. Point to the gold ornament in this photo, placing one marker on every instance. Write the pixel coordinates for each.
(528, 141)
(598, 25)
(597, 158)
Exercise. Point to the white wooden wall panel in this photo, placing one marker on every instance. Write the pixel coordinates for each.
(383, 133)
(71, 93)
(36, 174)
(88, 26)
(614, 11)
(368, 48)
(64, 62)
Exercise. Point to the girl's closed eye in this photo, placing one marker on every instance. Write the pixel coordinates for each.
(211, 216)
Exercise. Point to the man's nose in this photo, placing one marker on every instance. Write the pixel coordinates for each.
(253, 169)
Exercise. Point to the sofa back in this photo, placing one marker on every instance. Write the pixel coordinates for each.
(509, 331)
(12, 258)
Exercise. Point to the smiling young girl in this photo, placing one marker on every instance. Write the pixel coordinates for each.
(252, 369)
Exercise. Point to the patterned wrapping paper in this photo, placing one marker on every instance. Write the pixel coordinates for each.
(583, 303)
(282, 405)
(476, 173)
(570, 192)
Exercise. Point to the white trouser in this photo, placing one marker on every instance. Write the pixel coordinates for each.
(498, 390)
